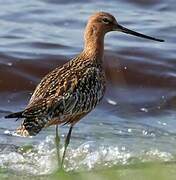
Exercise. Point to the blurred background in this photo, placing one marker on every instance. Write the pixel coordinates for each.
(135, 121)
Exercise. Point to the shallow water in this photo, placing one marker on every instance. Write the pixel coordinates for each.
(136, 119)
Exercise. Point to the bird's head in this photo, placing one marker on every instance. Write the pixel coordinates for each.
(100, 23)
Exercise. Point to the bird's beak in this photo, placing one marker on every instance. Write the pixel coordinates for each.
(118, 27)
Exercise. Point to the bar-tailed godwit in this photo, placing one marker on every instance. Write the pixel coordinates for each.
(68, 93)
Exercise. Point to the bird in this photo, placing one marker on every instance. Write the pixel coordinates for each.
(69, 92)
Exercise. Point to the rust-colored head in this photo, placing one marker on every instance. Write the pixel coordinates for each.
(101, 23)
(98, 25)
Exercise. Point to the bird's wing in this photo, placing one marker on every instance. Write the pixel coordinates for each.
(57, 81)
(75, 95)
(38, 108)
(82, 94)
(48, 85)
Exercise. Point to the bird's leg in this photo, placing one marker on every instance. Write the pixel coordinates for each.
(57, 139)
(67, 140)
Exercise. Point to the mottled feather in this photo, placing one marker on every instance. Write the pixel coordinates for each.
(65, 95)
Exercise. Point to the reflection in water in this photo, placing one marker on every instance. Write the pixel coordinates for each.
(136, 119)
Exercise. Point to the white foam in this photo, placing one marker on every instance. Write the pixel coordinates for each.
(42, 158)
(144, 109)
(112, 102)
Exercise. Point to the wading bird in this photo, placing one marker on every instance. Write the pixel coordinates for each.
(71, 91)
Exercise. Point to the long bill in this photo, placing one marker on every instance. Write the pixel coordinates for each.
(128, 31)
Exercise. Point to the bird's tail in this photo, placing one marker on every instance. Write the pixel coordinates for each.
(15, 115)
(31, 126)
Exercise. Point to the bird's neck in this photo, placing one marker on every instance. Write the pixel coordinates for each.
(94, 43)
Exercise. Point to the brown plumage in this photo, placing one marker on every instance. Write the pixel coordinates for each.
(71, 91)
(64, 95)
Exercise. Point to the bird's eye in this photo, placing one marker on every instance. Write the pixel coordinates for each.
(106, 20)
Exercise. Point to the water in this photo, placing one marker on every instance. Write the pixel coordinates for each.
(136, 119)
